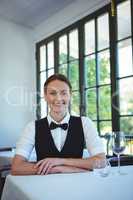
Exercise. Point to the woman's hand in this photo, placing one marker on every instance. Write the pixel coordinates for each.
(44, 166)
(66, 169)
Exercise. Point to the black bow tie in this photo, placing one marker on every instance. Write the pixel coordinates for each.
(54, 125)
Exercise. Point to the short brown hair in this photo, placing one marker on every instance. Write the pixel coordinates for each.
(59, 77)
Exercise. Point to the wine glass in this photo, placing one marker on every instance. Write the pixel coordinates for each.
(118, 145)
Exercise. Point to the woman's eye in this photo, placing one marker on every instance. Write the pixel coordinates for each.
(64, 93)
(53, 93)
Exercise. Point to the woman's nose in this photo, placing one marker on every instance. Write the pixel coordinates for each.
(58, 96)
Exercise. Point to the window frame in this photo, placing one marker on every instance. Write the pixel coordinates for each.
(115, 115)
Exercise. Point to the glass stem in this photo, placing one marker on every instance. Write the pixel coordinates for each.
(118, 155)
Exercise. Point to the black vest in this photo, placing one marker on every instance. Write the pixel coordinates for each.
(73, 146)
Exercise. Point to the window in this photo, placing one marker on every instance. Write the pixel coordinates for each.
(96, 54)
(69, 65)
(125, 66)
(46, 69)
(97, 70)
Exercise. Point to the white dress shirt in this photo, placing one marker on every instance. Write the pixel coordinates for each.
(26, 143)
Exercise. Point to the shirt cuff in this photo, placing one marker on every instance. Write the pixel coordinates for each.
(22, 153)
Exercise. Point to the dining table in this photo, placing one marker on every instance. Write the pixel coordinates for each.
(88, 185)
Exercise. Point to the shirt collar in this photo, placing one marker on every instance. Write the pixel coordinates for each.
(64, 120)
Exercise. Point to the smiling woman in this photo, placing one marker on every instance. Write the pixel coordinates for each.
(58, 138)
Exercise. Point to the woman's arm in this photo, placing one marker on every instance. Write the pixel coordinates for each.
(86, 163)
(24, 147)
(45, 166)
(20, 166)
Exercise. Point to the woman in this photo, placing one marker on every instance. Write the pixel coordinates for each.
(58, 138)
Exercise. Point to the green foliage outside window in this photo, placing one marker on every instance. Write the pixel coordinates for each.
(126, 125)
(100, 94)
(96, 92)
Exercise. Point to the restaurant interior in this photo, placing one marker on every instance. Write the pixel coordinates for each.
(91, 43)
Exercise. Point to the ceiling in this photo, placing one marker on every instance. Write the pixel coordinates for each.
(31, 13)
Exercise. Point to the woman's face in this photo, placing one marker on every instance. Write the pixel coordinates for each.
(58, 96)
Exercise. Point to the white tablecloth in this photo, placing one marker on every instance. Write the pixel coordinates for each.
(76, 186)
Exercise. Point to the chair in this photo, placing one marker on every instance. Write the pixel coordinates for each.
(124, 160)
(6, 155)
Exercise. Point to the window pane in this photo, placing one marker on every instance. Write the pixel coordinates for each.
(126, 125)
(105, 127)
(89, 37)
(73, 44)
(63, 69)
(42, 80)
(74, 75)
(50, 72)
(43, 108)
(124, 19)
(43, 58)
(103, 32)
(104, 102)
(125, 59)
(126, 96)
(90, 71)
(50, 55)
(75, 103)
(129, 146)
(91, 103)
(104, 67)
(63, 49)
